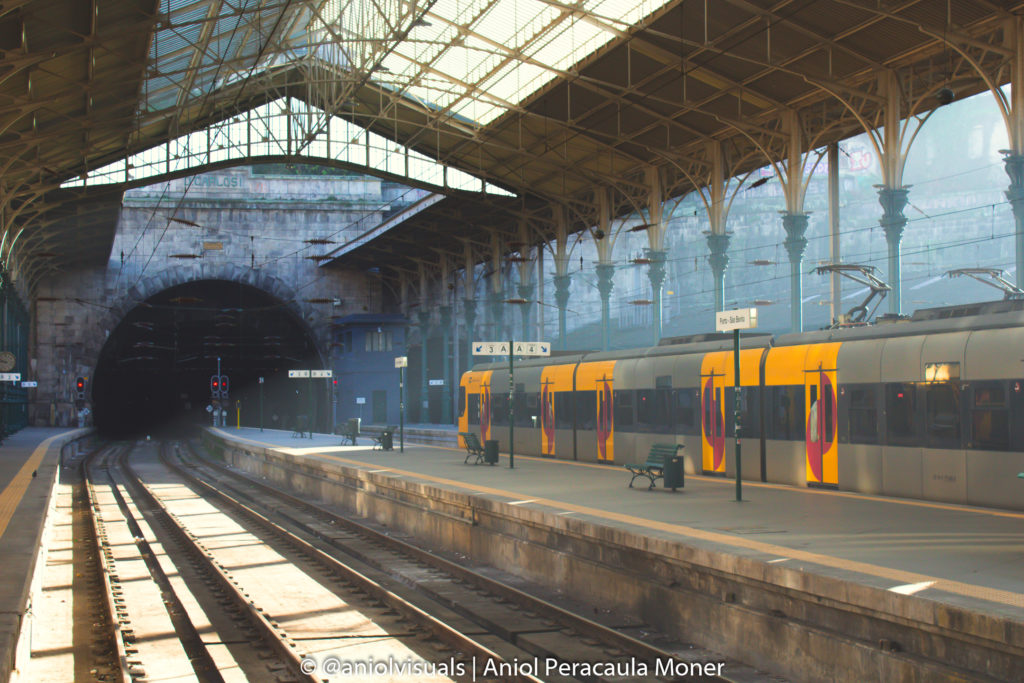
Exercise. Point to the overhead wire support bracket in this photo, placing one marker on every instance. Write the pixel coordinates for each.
(864, 275)
(993, 277)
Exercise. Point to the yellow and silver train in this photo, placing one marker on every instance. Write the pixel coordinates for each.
(930, 407)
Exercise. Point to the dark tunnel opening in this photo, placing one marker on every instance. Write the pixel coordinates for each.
(154, 371)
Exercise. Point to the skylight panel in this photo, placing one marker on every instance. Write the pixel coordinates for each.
(459, 11)
(571, 44)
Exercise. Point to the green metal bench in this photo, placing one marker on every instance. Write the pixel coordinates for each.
(654, 468)
(474, 449)
(349, 432)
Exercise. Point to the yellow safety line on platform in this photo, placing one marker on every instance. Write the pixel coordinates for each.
(15, 490)
(901, 577)
(898, 575)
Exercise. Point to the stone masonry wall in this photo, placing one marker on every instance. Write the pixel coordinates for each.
(240, 228)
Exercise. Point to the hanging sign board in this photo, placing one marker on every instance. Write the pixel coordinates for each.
(10, 376)
(402, 362)
(321, 373)
(519, 348)
(739, 319)
(298, 373)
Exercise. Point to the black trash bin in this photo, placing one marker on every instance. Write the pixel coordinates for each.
(387, 441)
(491, 451)
(673, 474)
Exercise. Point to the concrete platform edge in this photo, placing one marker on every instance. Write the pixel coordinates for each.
(16, 626)
(616, 546)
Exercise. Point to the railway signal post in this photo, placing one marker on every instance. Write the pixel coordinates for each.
(512, 349)
(740, 319)
(401, 362)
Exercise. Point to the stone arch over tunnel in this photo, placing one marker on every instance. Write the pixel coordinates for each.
(154, 367)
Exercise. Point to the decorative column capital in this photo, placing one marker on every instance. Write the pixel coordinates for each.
(893, 201)
(718, 243)
(795, 225)
(656, 270)
(605, 273)
(562, 283)
(1014, 165)
(445, 314)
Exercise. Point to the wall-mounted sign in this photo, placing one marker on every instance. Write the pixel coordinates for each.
(436, 382)
(29, 385)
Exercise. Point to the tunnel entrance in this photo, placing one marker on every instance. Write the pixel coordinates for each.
(153, 373)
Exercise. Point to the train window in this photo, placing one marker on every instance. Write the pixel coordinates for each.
(663, 411)
(990, 426)
(646, 417)
(1015, 394)
(652, 411)
(474, 409)
(586, 409)
(563, 410)
(622, 404)
(527, 408)
(499, 409)
(863, 413)
(900, 400)
(784, 413)
(686, 411)
(942, 414)
(750, 412)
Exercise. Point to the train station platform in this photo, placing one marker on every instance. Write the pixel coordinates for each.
(29, 463)
(931, 564)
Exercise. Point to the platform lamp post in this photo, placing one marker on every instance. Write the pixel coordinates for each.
(725, 321)
(401, 362)
(261, 403)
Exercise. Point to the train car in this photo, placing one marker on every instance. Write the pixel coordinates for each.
(931, 407)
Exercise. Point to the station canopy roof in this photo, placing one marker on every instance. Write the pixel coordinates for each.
(546, 100)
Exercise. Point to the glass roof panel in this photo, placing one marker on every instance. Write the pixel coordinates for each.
(492, 53)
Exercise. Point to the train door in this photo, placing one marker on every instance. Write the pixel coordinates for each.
(712, 381)
(595, 425)
(821, 453)
(557, 411)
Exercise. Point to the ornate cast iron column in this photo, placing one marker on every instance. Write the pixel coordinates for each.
(893, 200)
(562, 283)
(795, 225)
(605, 271)
(719, 260)
(445, 313)
(656, 274)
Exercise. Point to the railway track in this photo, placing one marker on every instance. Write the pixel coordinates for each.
(534, 636)
(192, 571)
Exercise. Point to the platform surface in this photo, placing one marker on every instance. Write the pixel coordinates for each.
(967, 556)
(24, 499)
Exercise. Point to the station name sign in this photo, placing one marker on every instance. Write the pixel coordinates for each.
(739, 319)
